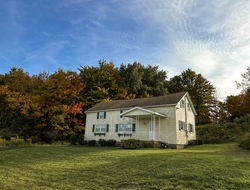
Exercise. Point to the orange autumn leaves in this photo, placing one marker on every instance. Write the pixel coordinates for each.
(53, 101)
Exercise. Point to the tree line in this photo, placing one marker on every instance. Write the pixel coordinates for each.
(50, 107)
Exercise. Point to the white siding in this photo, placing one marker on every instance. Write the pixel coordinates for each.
(186, 115)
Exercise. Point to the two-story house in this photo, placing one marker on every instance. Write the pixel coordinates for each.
(169, 119)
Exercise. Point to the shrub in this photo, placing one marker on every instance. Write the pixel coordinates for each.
(81, 140)
(36, 140)
(132, 144)
(92, 143)
(102, 142)
(15, 141)
(7, 135)
(111, 142)
(214, 133)
(73, 140)
(192, 142)
(195, 142)
(2, 142)
(245, 142)
(28, 140)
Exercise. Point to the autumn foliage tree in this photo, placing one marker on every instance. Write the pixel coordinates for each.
(43, 105)
(239, 105)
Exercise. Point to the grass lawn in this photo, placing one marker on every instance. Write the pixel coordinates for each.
(223, 166)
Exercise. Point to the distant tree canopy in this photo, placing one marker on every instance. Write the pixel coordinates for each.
(200, 90)
(239, 105)
(44, 106)
(141, 81)
(51, 107)
(106, 82)
(245, 83)
(102, 83)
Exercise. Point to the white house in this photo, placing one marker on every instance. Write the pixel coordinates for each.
(169, 119)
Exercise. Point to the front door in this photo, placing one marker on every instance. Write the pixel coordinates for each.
(151, 131)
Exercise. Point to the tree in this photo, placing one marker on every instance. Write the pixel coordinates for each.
(132, 75)
(200, 90)
(239, 105)
(245, 83)
(61, 97)
(16, 101)
(102, 83)
(46, 106)
(141, 81)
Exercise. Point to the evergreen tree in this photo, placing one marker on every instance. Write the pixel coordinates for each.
(200, 90)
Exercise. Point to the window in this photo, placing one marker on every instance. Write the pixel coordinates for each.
(190, 128)
(101, 115)
(125, 128)
(181, 125)
(188, 106)
(100, 129)
(182, 104)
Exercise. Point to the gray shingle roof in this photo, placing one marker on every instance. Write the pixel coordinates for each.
(139, 102)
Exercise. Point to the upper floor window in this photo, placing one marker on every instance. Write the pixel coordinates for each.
(101, 115)
(189, 108)
(182, 104)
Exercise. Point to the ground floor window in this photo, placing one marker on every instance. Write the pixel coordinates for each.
(125, 129)
(181, 125)
(100, 129)
(190, 128)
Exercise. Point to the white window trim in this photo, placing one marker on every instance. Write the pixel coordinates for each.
(101, 115)
(190, 126)
(101, 127)
(181, 125)
(122, 128)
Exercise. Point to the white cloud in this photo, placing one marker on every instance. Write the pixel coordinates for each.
(210, 37)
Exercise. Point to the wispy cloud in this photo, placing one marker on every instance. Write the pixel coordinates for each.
(211, 37)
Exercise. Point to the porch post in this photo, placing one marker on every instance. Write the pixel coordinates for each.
(153, 126)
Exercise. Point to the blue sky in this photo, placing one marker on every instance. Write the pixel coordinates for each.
(210, 37)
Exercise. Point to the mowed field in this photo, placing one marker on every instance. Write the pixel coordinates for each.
(223, 166)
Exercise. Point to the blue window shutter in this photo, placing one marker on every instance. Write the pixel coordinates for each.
(107, 128)
(116, 128)
(93, 128)
(97, 115)
(133, 127)
(104, 115)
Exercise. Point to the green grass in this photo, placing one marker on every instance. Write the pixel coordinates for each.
(223, 166)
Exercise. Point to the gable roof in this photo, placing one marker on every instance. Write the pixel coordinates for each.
(143, 110)
(171, 99)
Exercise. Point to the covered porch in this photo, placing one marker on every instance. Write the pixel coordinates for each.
(148, 124)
